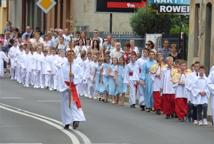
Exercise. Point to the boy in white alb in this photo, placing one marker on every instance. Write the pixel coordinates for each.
(52, 62)
(211, 88)
(201, 95)
(28, 60)
(179, 79)
(168, 97)
(3, 58)
(89, 72)
(21, 61)
(82, 87)
(38, 68)
(12, 54)
(192, 109)
(156, 72)
(132, 79)
(60, 61)
(46, 70)
(91, 80)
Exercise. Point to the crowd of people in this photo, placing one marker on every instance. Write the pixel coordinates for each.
(157, 80)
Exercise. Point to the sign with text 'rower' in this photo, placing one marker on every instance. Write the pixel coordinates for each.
(171, 6)
(46, 5)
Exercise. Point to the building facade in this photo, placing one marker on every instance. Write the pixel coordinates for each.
(3, 14)
(83, 12)
(201, 32)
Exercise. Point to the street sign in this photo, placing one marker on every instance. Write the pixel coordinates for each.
(119, 5)
(171, 6)
(46, 5)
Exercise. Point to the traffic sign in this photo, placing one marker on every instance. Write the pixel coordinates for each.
(46, 5)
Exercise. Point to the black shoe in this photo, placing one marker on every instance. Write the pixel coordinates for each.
(158, 112)
(181, 120)
(66, 127)
(142, 107)
(173, 115)
(148, 109)
(167, 117)
(75, 124)
(132, 106)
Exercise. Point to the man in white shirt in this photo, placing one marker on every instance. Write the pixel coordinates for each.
(117, 52)
(28, 33)
(133, 47)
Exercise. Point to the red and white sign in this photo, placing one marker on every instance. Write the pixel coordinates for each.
(134, 5)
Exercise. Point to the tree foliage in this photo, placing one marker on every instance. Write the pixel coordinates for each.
(147, 20)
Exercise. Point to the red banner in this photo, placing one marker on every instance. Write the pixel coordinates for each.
(134, 5)
(74, 94)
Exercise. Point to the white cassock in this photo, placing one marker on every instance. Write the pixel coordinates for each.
(33, 79)
(166, 79)
(18, 67)
(28, 61)
(180, 91)
(91, 78)
(3, 58)
(38, 58)
(85, 73)
(69, 114)
(78, 50)
(52, 77)
(200, 85)
(22, 66)
(188, 86)
(12, 54)
(46, 71)
(211, 88)
(60, 61)
(81, 88)
(131, 78)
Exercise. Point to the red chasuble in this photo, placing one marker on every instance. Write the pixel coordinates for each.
(74, 94)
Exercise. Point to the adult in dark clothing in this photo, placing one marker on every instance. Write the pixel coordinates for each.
(174, 53)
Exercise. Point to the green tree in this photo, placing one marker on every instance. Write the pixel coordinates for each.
(147, 20)
(180, 23)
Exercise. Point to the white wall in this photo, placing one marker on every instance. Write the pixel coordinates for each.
(85, 15)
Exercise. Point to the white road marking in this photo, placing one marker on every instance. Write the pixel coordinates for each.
(48, 101)
(72, 137)
(11, 98)
(111, 143)
(21, 143)
(85, 139)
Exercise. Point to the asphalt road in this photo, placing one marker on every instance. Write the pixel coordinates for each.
(106, 123)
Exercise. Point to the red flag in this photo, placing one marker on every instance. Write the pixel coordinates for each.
(74, 94)
(134, 5)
